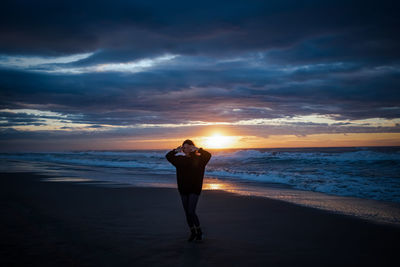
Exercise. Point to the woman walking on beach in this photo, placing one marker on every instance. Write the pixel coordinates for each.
(189, 173)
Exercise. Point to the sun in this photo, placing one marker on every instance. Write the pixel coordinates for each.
(218, 141)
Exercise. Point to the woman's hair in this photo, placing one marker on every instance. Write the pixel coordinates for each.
(187, 141)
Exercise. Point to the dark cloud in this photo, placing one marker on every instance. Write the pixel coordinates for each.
(182, 95)
(132, 29)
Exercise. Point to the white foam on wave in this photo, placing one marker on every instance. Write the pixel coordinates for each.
(145, 154)
(88, 161)
(241, 154)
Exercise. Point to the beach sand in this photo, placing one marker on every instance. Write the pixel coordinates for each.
(84, 224)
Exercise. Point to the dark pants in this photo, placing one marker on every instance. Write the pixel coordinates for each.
(189, 204)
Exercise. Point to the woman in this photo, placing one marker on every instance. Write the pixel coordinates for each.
(189, 174)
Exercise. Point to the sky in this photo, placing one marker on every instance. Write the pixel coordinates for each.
(102, 75)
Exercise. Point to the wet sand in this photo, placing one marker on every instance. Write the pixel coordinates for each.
(78, 224)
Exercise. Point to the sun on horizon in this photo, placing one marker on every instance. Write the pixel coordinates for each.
(218, 140)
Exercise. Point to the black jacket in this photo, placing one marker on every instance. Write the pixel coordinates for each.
(189, 170)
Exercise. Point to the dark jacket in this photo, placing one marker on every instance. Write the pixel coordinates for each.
(189, 170)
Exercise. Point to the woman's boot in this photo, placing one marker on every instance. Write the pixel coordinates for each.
(193, 234)
(199, 235)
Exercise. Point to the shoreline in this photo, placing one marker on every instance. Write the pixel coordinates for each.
(377, 211)
(70, 223)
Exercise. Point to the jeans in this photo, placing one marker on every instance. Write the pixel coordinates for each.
(189, 204)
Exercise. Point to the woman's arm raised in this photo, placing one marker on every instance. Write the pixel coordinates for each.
(205, 155)
(171, 156)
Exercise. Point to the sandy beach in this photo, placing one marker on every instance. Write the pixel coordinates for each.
(84, 224)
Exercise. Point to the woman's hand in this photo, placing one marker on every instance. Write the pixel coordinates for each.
(178, 149)
(193, 148)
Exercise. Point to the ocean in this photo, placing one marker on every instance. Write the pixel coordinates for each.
(294, 174)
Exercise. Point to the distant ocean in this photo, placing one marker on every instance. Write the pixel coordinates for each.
(362, 172)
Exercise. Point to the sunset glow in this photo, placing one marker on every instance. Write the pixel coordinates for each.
(219, 141)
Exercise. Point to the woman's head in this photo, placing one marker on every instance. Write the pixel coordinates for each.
(187, 146)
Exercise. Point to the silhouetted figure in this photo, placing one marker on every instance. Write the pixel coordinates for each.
(190, 173)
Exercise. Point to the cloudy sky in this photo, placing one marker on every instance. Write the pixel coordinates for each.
(149, 74)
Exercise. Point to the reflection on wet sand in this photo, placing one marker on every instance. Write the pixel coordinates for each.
(67, 179)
